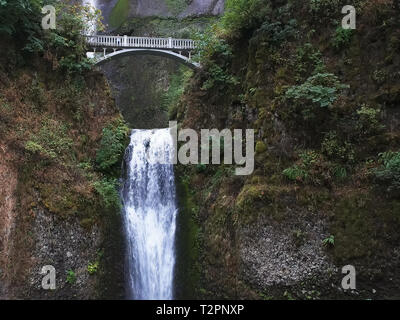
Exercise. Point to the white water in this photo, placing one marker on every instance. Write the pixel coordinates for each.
(150, 215)
(91, 25)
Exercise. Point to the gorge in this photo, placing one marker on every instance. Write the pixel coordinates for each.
(78, 192)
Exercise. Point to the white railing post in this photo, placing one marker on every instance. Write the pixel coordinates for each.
(141, 42)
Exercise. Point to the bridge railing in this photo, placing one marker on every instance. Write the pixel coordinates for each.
(140, 42)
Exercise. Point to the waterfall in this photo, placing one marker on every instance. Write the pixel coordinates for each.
(91, 25)
(150, 211)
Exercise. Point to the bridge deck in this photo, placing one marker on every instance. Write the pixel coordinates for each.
(140, 42)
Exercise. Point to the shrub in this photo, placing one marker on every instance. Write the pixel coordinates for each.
(21, 19)
(218, 76)
(107, 188)
(320, 90)
(276, 33)
(388, 174)
(51, 141)
(337, 149)
(311, 168)
(308, 62)
(242, 15)
(369, 121)
(324, 8)
(112, 146)
(67, 42)
(71, 277)
(342, 38)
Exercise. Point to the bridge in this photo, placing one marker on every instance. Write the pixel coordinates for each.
(110, 47)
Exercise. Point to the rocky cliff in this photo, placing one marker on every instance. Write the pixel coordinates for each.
(323, 193)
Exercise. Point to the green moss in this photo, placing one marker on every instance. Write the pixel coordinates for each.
(363, 226)
(119, 13)
(256, 199)
(188, 272)
(260, 147)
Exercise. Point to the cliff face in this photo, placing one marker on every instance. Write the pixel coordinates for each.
(321, 196)
(52, 209)
(160, 8)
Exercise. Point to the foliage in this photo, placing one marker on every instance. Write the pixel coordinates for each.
(51, 141)
(71, 277)
(112, 146)
(329, 241)
(388, 173)
(107, 188)
(67, 42)
(210, 46)
(175, 90)
(308, 61)
(369, 121)
(275, 33)
(92, 268)
(21, 19)
(320, 90)
(218, 76)
(336, 149)
(342, 38)
(295, 173)
(311, 168)
(301, 172)
(242, 15)
(322, 8)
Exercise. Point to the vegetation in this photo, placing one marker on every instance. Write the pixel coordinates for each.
(329, 241)
(319, 90)
(388, 173)
(19, 19)
(119, 13)
(112, 146)
(107, 188)
(92, 268)
(51, 141)
(342, 38)
(71, 277)
(325, 125)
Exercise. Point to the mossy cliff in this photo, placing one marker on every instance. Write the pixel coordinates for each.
(62, 140)
(324, 103)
